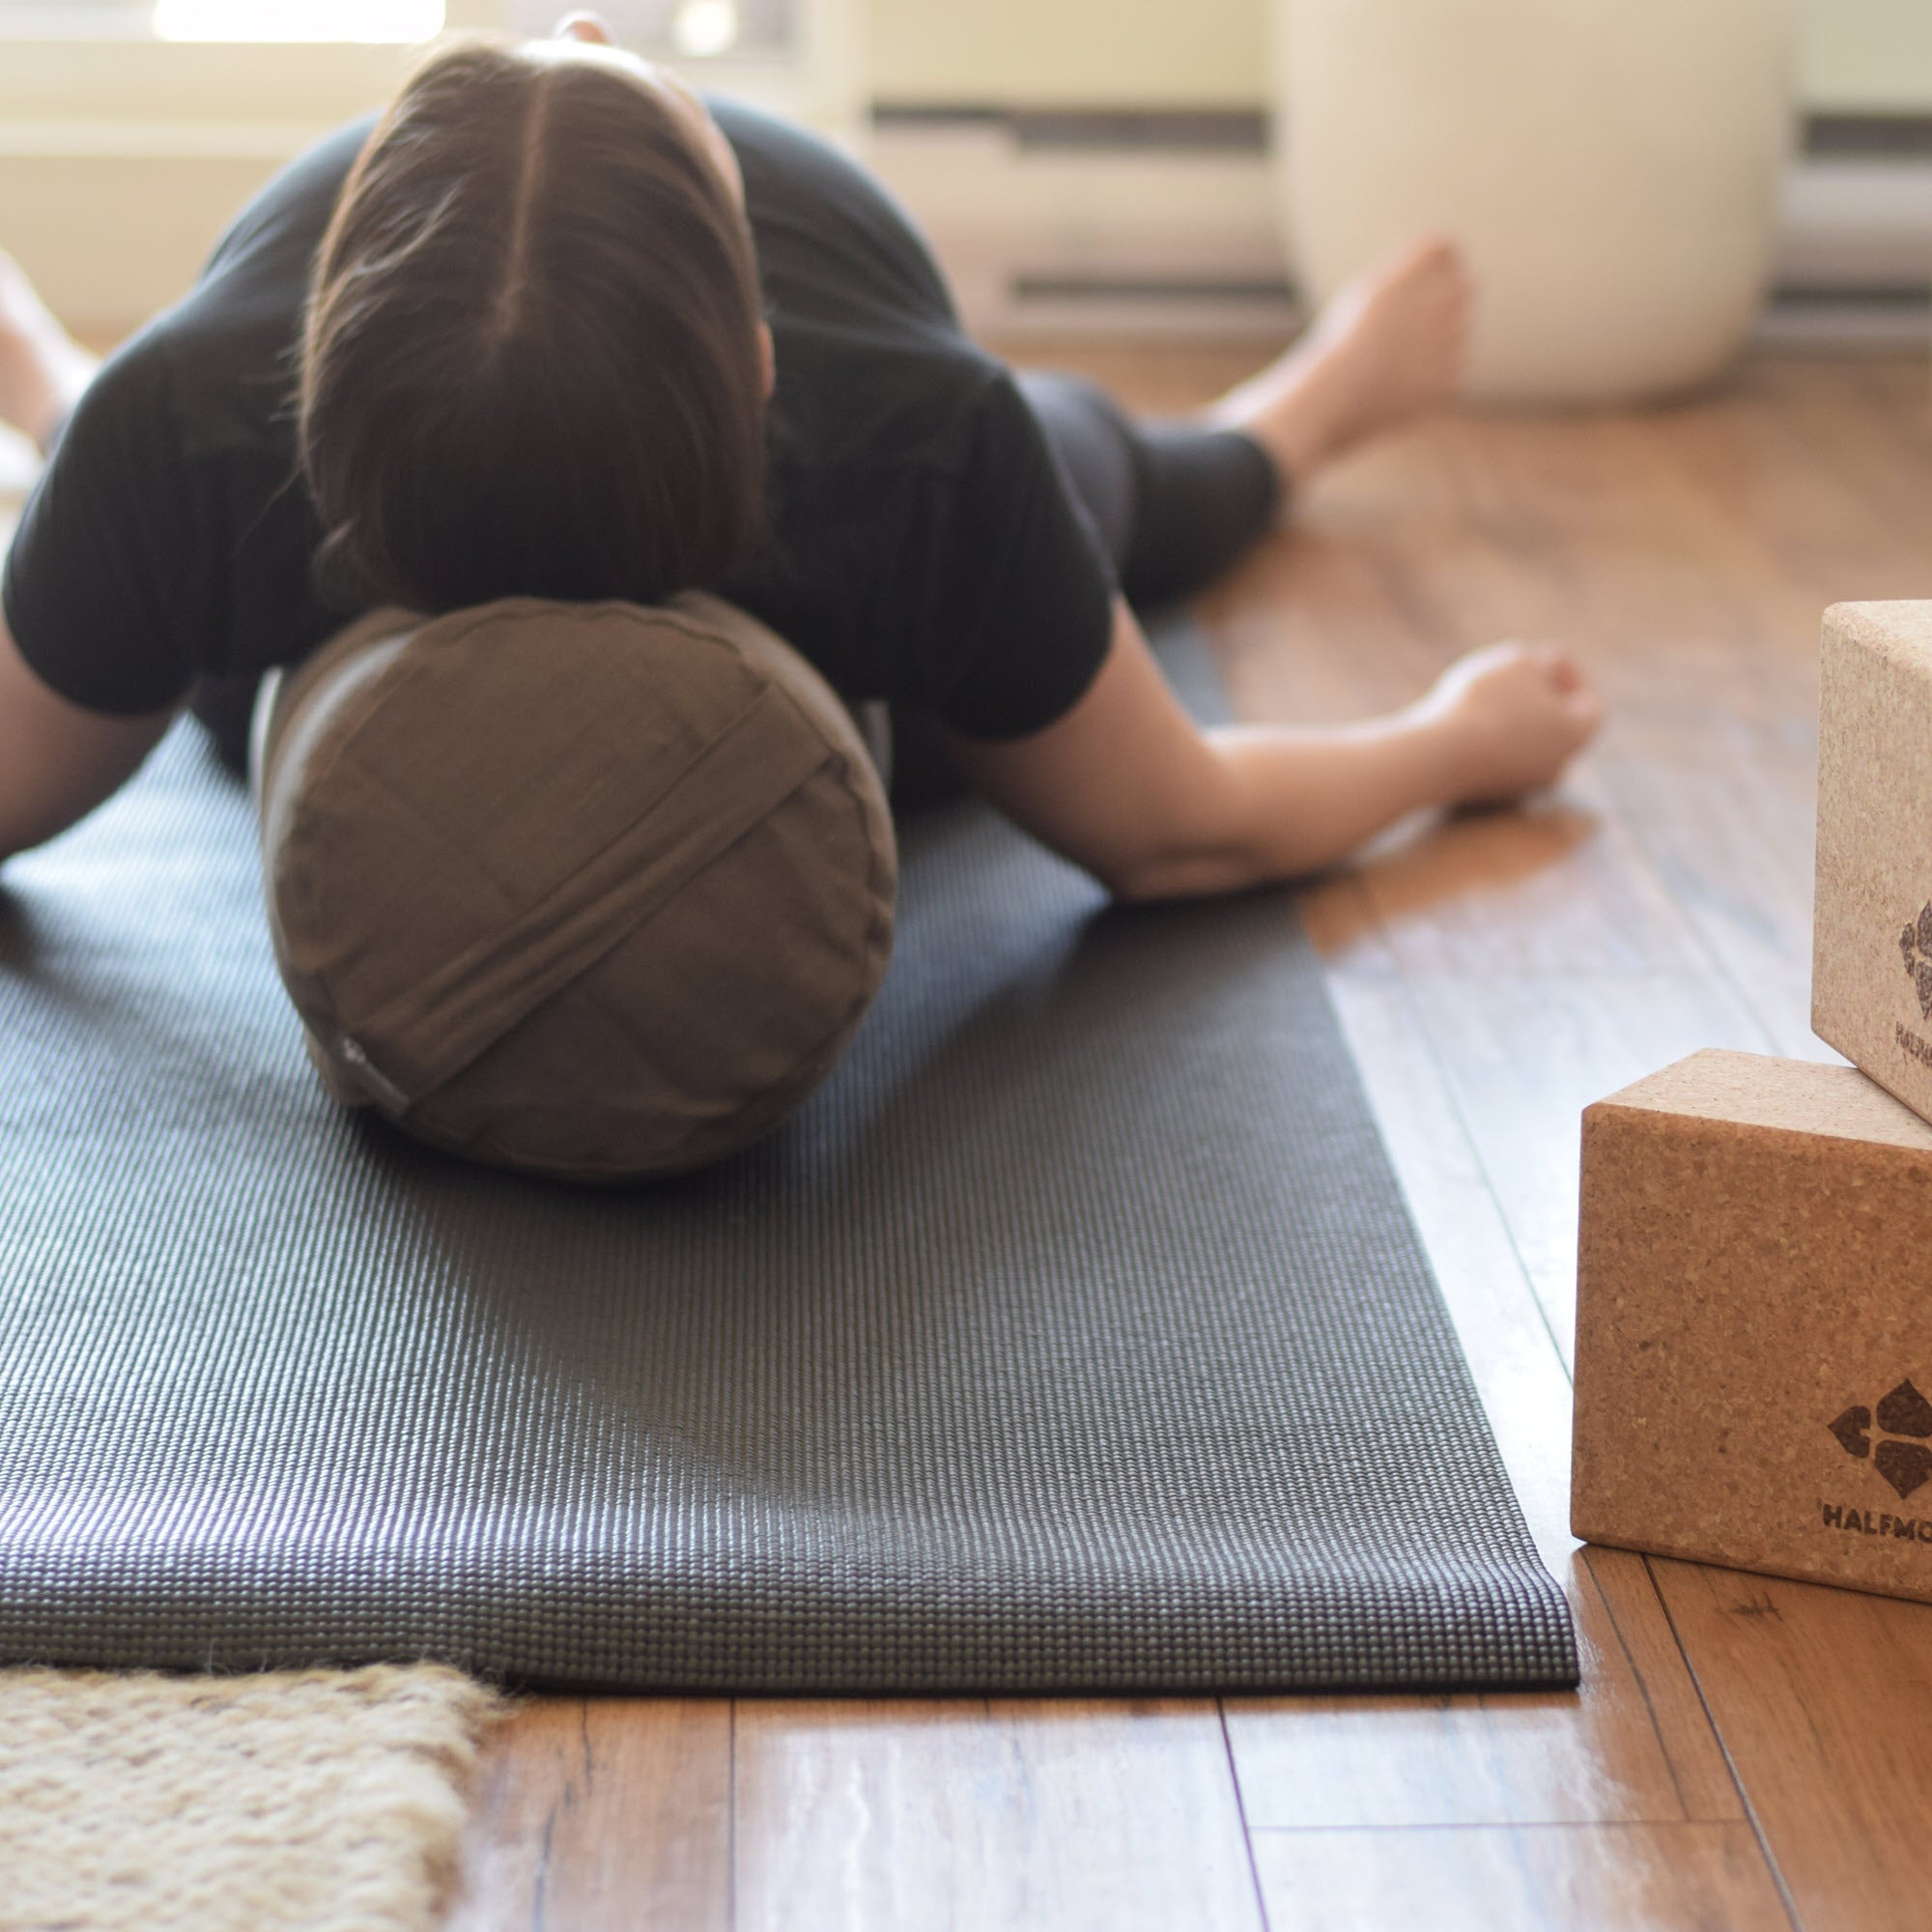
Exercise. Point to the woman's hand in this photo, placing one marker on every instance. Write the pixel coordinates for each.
(1127, 784)
(1510, 717)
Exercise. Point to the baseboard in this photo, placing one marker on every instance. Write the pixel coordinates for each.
(1129, 222)
(1842, 320)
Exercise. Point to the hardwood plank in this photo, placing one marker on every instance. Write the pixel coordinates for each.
(1725, 801)
(1833, 459)
(1634, 1743)
(1581, 1877)
(1708, 654)
(1708, 765)
(1699, 613)
(1502, 908)
(1550, 966)
(1698, 592)
(1631, 1649)
(1837, 1769)
(1724, 816)
(1552, 961)
(1051, 1814)
(1825, 1701)
(601, 1814)
(1523, 1057)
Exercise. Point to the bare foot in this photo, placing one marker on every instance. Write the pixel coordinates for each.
(43, 369)
(1389, 346)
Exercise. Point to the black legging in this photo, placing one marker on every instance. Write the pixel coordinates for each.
(1174, 506)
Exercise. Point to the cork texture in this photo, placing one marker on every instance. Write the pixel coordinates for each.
(1872, 968)
(1754, 1323)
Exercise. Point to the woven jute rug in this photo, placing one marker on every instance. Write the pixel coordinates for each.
(324, 1799)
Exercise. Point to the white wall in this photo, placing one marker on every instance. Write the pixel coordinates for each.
(118, 167)
(1865, 55)
(1852, 54)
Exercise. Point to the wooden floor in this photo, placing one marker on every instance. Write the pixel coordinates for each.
(1744, 1753)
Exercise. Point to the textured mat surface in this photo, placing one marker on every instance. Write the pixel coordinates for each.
(1074, 1337)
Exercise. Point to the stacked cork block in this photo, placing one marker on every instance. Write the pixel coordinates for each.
(1755, 1262)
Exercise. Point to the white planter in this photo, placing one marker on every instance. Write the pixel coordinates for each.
(1609, 166)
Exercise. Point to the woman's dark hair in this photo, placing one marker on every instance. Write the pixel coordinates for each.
(531, 361)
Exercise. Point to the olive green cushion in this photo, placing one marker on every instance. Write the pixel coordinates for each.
(597, 890)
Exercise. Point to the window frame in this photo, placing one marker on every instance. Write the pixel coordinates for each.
(61, 93)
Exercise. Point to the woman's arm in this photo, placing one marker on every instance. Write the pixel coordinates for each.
(1128, 787)
(58, 761)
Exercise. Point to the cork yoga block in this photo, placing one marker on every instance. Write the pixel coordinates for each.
(1754, 1323)
(1871, 966)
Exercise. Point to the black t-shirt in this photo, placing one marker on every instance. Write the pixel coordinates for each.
(924, 542)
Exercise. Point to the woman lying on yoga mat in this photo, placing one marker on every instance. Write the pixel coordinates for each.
(555, 326)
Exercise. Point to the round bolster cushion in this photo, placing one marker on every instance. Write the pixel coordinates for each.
(595, 891)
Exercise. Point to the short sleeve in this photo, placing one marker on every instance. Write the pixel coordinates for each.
(1028, 587)
(109, 578)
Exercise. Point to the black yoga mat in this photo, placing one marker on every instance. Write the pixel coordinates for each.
(1076, 1336)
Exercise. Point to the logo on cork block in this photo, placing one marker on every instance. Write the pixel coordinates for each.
(1904, 1412)
(1914, 946)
